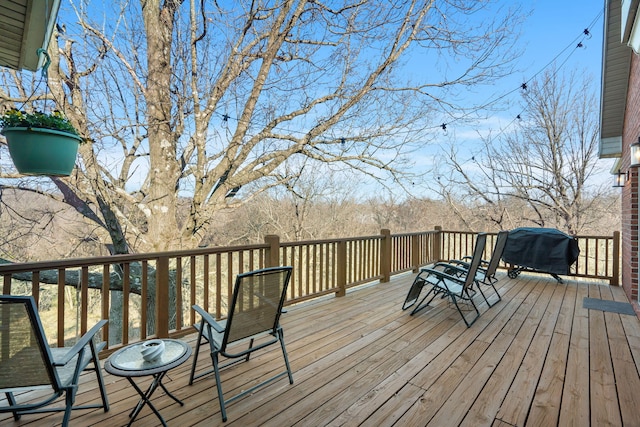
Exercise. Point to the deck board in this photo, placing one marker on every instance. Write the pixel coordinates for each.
(545, 408)
(604, 402)
(574, 408)
(489, 402)
(536, 358)
(515, 405)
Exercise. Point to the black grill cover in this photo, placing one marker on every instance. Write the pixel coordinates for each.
(544, 249)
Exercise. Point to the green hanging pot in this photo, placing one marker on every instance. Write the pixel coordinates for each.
(40, 151)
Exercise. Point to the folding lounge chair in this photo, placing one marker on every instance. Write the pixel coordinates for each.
(456, 287)
(254, 316)
(28, 363)
(486, 274)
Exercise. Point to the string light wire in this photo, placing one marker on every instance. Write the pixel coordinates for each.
(584, 35)
(576, 43)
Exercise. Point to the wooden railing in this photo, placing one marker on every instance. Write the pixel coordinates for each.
(150, 295)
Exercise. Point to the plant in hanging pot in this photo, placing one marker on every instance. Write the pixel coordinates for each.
(40, 143)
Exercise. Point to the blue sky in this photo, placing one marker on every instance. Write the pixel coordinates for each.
(551, 32)
(554, 24)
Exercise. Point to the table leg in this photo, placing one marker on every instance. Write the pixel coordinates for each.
(157, 381)
(168, 393)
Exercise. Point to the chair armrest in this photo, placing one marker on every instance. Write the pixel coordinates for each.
(458, 262)
(82, 342)
(440, 274)
(445, 265)
(467, 261)
(461, 267)
(208, 318)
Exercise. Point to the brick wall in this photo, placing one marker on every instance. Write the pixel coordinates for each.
(629, 211)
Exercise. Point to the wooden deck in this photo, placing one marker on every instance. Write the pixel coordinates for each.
(538, 358)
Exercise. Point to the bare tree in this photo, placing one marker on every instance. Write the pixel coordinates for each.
(541, 171)
(206, 101)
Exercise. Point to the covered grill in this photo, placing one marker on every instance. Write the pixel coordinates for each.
(544, 250)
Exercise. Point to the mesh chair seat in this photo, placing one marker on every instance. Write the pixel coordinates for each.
(66, 372)
(28, 363)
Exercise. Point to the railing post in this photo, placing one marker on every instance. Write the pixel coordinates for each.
(342, 268)
(6, 284)
(615, 280)
(385, 255)
(272, 257)
(415, 252)
(436, 250)
(162, 297)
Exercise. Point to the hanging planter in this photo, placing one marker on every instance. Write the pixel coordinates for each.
(40, 144)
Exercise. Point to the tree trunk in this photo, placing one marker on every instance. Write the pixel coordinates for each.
(164, 174)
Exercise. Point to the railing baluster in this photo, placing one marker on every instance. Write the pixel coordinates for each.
(61, 280)
(615, 270)
(105, 302)
(218, 286)
(179, 296)
(126, 288)
(84, 299)
(193, 284)
(144, 294)
(205, 281)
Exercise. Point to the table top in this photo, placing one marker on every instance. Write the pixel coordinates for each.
(128, 361)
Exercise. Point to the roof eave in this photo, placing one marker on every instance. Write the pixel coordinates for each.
(616, 63)
(26, 26)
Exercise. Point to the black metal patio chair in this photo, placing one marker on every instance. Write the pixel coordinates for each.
(27, 362)
(254, 316)
(486, 274)
(448, 281)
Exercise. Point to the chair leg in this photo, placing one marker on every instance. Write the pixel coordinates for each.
(284, 353)
(12, 402)
(196, 352)
(70, 391)
(96, 367)
(466, 322)
(249, 353)
(69, 398)
(497, 293)
(420, 305)
(491, 284)
(216, 368)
